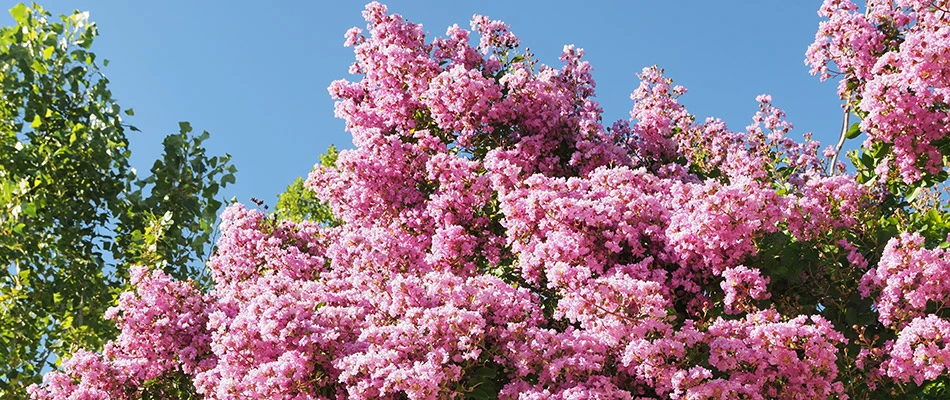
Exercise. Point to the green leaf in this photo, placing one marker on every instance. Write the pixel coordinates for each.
(867, 161)
(881, 149)
(37, 122)
(39, 67)
(184, 127)
(854, 131)
(20, 13)
(130, 112)
(29, 210)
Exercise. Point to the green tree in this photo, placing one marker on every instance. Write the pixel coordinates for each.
(298, 203)
(68, 193)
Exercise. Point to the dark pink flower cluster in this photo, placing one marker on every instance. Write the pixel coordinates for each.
(497, 238)
(892, 58)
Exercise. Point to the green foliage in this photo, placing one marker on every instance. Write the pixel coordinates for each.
(66, 192)
(172, 224)
(917, 207)
(175, 385)
(484, 382)
(298, 203)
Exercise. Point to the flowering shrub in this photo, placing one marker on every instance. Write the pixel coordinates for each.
(494, 239)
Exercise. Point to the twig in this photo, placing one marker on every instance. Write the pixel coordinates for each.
(844, 133)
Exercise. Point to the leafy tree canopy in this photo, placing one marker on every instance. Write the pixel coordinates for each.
(73, 214)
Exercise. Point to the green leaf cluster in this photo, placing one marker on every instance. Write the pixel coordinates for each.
(298, 203)
(170, 215)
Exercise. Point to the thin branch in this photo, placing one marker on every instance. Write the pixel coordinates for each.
(844, 132)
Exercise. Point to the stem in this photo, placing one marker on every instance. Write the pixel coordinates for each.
(844, 132)
(845, 122)
(43, 361)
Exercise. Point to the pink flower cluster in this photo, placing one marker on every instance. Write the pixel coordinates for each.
(921, 351)
(892, 58)
(163, 333)
(742, 285)
(908, 280)
(910, 289)
(497, 238)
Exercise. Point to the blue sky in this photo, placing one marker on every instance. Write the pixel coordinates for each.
(255, 74)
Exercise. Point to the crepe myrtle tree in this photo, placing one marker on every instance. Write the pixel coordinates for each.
(494, 238)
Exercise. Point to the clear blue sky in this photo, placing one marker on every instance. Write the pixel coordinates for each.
(255, 74)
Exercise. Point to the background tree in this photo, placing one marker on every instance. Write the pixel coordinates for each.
(299, 204)
(67, 193)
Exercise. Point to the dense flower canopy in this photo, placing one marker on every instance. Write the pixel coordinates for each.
(499, 240)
